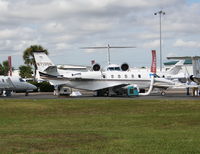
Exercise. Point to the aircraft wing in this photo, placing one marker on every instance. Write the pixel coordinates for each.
(162, 86)
(177, 86)
(166, 86)
(90, 84)
(110, 85)
(186, 57)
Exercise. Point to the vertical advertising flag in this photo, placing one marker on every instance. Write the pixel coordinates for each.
(153, 65)
(10, 66)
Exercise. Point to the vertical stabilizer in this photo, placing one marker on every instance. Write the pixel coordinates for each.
(176, 68)
(42, 61)
(196, 67)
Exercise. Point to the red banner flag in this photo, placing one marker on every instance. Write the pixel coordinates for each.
(10, 66)
(153, 64)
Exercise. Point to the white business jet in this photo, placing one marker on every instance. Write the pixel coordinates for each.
(195, 76)
(112, 80)
(12, 83)
(174, 73)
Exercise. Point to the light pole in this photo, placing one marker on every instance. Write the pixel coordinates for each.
(160, 14)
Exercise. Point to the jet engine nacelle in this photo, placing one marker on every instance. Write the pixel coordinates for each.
(96, 67)
(124, 67)
(192, 77)
(195, 79)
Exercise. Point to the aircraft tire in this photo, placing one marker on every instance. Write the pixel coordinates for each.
(162, 93)
(26, 94)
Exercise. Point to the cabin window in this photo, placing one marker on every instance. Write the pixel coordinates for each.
(119, 76)
(104, 76)
(112, 76)
(117, 69)
(113, 69)
(125, 76)
(110, 69)
(132, 76)
(139, 76)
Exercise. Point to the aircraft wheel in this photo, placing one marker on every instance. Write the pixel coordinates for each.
(8, 93)
(26, 94)
(163, 93)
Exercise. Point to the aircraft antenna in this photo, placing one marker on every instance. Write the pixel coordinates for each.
(108, 54)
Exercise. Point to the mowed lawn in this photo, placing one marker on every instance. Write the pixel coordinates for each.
(99, 126)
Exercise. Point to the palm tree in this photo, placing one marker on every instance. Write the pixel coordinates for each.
(28, 55)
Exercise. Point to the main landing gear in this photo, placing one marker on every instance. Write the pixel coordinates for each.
(162, 93)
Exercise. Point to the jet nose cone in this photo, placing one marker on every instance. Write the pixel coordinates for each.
(31, 87)
(34, 87)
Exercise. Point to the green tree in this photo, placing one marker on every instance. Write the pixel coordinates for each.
(25, 71)
(28, 55)
(4, 68)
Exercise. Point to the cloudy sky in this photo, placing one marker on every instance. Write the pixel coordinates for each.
(63, 26)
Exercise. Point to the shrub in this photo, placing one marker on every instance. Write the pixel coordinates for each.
(43, 86)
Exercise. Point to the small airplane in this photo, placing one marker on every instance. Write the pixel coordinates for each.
(112, 80)
(174, 73)
(195, 76)
(12, 83)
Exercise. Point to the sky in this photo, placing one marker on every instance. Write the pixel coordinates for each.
(64, 26)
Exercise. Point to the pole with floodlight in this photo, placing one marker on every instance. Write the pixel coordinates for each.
(160, 13)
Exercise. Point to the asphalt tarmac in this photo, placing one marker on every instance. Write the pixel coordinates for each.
(155, 96)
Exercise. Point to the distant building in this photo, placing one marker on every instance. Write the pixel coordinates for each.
(15, 73)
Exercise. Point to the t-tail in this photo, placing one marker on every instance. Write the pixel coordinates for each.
(176, 68)
(44, 64)
(195, 65)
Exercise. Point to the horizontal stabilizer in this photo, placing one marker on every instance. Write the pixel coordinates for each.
(186, 57)
(51, 69)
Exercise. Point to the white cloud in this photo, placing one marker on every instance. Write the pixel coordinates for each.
(54, 27)
(61, 46)
(147, 36)
(152, 45)
(3, 5)
(188, 44)
(96, 26)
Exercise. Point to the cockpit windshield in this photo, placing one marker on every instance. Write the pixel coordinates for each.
(113, 69)
(21, 80)
(156, 76)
